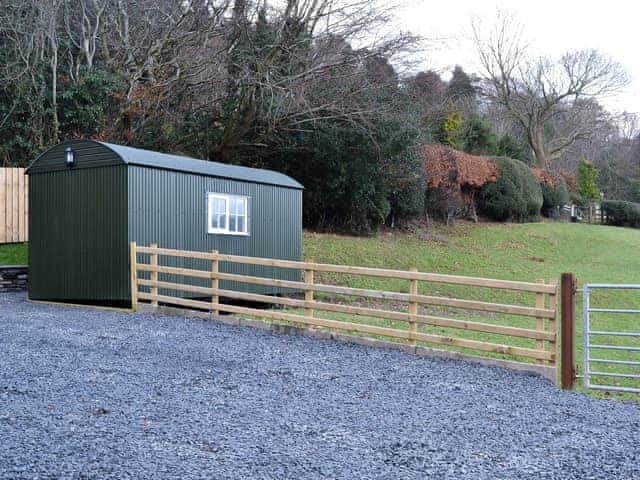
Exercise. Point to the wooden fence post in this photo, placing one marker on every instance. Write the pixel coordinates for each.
(215, 283)
(413, 309)
(568, 323)
(308, 292)
(134, 277)
(153, 261)
(540, 321)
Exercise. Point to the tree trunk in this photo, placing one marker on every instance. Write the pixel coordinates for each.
(538, 147)
(54, 87)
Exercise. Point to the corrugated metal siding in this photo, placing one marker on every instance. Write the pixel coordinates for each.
(88, 154)
(169, 208)
(78, 248)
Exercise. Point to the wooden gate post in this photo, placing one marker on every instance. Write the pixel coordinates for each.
(568, 331)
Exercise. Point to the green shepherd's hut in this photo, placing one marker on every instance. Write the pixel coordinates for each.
(89, 200)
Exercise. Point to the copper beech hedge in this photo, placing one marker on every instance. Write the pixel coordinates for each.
(455, 178)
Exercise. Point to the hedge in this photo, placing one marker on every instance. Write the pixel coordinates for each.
(621, 213)
(515, 196)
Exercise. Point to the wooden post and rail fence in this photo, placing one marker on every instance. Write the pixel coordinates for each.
(542, 336)
(14, 205)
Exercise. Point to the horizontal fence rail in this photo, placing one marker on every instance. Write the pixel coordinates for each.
(173, 289)
(14, 205)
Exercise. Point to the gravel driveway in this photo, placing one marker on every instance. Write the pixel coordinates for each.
(88, 393)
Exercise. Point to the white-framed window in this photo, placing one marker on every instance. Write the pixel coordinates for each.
(227, 214)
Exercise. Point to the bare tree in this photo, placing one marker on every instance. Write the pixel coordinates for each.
(303, 69)
(233, 75)
(169, 53)
(83, 22)
(30, 41)
(552, 100)
(628, 126)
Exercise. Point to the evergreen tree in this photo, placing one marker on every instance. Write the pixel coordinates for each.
(586, 179)
(452, 130)
(460, 86)
(478, 138)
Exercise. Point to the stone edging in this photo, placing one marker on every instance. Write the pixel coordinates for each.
(13, 278)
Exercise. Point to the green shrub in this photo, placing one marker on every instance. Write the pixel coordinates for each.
(344, 182)
(355, 185)
(554, 196)
(621, 213)
(405, 185)
(516, 196)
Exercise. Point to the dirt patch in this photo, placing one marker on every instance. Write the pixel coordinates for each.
(536, 259)
(434, 237)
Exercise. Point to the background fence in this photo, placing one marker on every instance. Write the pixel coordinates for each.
(591, 213)
(14, 205)
(512, 331)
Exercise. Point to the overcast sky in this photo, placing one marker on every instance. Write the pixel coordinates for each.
(613, 27)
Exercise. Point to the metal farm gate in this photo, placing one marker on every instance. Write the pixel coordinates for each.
(612, 338)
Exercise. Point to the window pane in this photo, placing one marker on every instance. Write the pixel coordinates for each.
(217, 221)
(232, 205)
(232, 223)
(241, 225)
(236, 205)
(241, 206)
(219, 205)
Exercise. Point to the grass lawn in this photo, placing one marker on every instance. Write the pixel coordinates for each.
(509, 251)
(525, 252)
(14, 254)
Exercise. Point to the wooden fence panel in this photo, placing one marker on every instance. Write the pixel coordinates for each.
(14, 208)
(542, 335)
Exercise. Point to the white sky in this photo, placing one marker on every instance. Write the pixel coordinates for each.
(612, 27)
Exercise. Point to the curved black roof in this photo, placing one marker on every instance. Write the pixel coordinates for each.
(90, 154)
